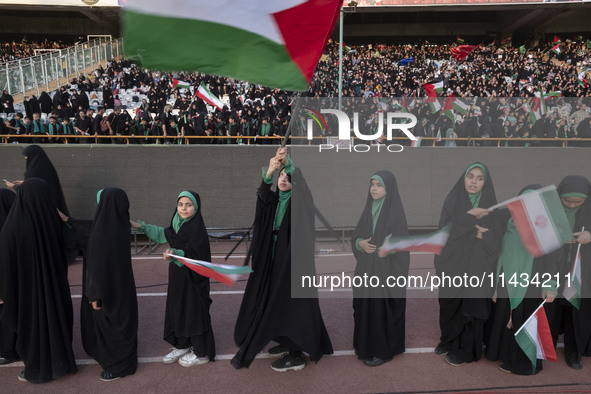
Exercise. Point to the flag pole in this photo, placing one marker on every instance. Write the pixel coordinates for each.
(529, 318)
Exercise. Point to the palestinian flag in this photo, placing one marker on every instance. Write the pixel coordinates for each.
(556, 40)
(556, 49)
(416, 143)
(433, 243)
(535, 339)
(224, 273)
(204, 94)
(180, 84)
(448, 110)
(272, 43)
(572, 290)
(434, 103)
(433, 86)
(461, 52)
(540, 220)
(460, 106)
(459, 40)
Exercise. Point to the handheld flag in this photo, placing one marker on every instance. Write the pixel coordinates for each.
(432, 242)
(224, 273)
(205, 94)
(535, 339)
(572, 290)
(273, 43)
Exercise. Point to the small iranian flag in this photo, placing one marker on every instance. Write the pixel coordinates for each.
(210, 98)
(433, 86)
(416, 143)
(556, 49)
(540, 220)
(433, 243)
(180, 84)
(535, 339)
(224, 273)
(572, 290)
(272, 43)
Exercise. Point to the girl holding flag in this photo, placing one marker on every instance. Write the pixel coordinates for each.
(516, 299)
(573, 316)
(472, 249)
(187, 324)
(379, 313)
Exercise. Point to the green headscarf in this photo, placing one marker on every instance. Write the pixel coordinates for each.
(475, 197)
(177, 221)
(98, 196)
(376, 205)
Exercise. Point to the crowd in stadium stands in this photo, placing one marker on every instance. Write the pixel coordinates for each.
(496, 86)
(12, 50)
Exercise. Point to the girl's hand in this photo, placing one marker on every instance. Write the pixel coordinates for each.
(366, 246)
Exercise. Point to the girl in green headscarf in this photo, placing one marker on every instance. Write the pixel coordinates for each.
(187, 324)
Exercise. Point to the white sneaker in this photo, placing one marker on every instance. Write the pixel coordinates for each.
(188, 360)
(173, 356)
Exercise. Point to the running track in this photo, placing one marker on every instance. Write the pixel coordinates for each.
(418, 370)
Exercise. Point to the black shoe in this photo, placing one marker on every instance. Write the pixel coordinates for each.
(454, 360)
(574, 361)
(278, 350)
(503, 368)
(5, 361)
(442, 349)
(375, 362)
(107, 376)
(288, 362)
(21, 376)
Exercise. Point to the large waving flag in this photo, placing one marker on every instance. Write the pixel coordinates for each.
(205, 94)
(540, 220)
(432, 242)
(224, 273)
(461, 52)
(273, 43)
(433, 86)
(572, 290)
(535, 339)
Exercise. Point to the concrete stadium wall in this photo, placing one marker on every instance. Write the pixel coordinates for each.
(227, 177)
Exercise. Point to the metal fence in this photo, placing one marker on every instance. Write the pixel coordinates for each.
(48, 71)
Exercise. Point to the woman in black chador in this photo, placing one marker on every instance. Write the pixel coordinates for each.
(471, 251)
(34, 288)
(109, 314)
(379, 313)
(575, 323)
(39, 166)
(268, 312)
(7, 336)
(187, 323)
(515, 302)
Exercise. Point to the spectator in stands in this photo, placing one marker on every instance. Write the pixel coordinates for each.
(97, 125)
(53, 129)
(37, 129)
(67, 129)
(46, 103)
(7, 102)
(32, 106)
(83, 126)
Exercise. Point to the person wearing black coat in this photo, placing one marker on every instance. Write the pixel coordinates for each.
(268, 311)
(7, 102)
(108, 311)
(46, 103)
(472, 249)
(34, 289)
(8, 352)
(379, 313)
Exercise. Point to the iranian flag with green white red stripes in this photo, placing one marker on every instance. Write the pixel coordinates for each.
(540, 220)
(535, 339)
(272, 43)
(205, 94)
